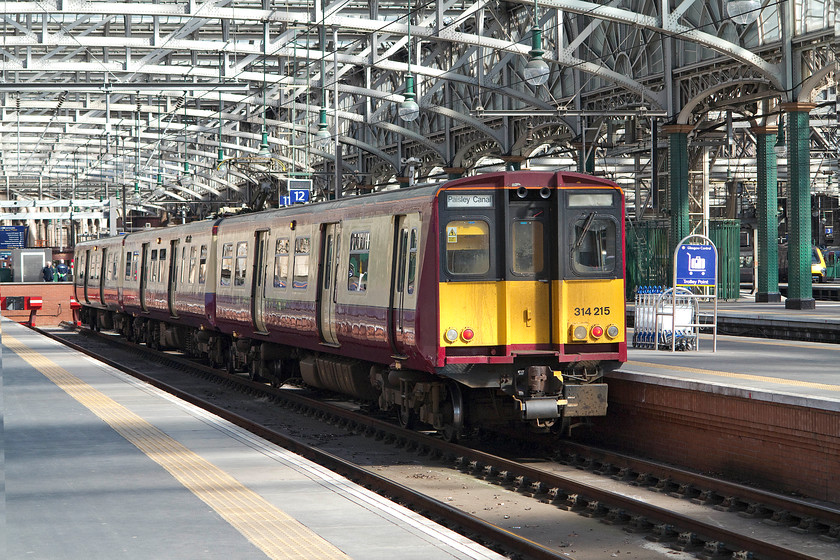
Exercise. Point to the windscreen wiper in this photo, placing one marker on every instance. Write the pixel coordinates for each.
(586, 225)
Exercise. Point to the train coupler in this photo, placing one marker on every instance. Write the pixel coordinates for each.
(541, 408)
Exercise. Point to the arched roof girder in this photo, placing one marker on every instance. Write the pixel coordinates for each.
(414, 136)
(390, 160)
(671, 27)
(691, 104)
(814, 80)
(457, 38)
(496, 136)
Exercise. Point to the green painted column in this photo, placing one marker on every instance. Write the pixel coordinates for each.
(768, 220)
(678, 181)
(800, 294)
(585, 164)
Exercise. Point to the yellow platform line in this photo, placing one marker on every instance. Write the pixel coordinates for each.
(746, 376)
(274, 532)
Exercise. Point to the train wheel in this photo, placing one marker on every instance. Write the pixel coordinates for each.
(407, 418)
(230, 359)
(153, 335)
(254, 372)
(453, 429)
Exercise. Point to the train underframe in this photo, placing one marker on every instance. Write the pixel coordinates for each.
(545, 399)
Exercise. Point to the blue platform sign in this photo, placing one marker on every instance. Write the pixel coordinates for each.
(299, 192)
(294, 197)
(696, 265)
(13, 237)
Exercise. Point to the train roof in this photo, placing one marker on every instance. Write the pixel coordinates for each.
(502, 179)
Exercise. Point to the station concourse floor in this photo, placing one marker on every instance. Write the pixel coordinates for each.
(99, 465)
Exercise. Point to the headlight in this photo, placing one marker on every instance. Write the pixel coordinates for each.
(451, 335)
(612, 331)
(579, 332)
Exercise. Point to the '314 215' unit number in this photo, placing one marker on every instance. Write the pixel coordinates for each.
(592, 311)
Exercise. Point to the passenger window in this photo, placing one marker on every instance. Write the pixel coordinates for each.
(128, 265)
(241, 263)
(412, 261)
(202, 265)
(153, 266)
(301, 277)
(594, 244)
(227, 264)
(183, 269)
(527, 241)
(136, 265)
(161, 266)
(359, 255)
(468, 247)
(192, 265)
(281, 262)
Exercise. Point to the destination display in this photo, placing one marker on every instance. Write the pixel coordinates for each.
(469, 201)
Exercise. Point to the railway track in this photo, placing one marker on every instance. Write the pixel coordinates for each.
(691, 513)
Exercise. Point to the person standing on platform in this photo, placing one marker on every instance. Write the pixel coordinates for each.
(61, 271)
(47, 272)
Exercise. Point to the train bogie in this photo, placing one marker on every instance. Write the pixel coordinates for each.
(496, 298)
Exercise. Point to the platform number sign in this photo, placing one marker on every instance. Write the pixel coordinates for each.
(299, 192)
(696, 265)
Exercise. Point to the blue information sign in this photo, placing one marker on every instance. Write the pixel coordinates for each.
(696, 265)
(294, 197)
(13, 237)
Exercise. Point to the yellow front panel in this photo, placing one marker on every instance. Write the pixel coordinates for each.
(499, 313)
(588, 303)
(474, 305)
(528, 317)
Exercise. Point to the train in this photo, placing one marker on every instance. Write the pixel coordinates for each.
(490, 300)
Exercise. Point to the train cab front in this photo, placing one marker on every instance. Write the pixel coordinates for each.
(531, 294)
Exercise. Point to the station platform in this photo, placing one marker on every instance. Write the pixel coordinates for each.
(99, 465)
(745, 317)
(758, 410)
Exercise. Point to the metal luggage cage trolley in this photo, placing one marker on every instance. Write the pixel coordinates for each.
(671, 317)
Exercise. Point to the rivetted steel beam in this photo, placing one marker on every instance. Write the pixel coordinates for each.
(670, 26)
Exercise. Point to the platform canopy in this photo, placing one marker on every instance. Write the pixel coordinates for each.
(186, 107)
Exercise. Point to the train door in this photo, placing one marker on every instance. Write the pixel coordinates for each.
(103, 271)
(144, 274)
(326, 285)
(529, 271)
(258, 283)
(403, 298)
(86, 275)
(172, 283)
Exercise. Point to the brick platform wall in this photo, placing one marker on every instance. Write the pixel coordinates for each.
(56, 296)
(781, 447)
